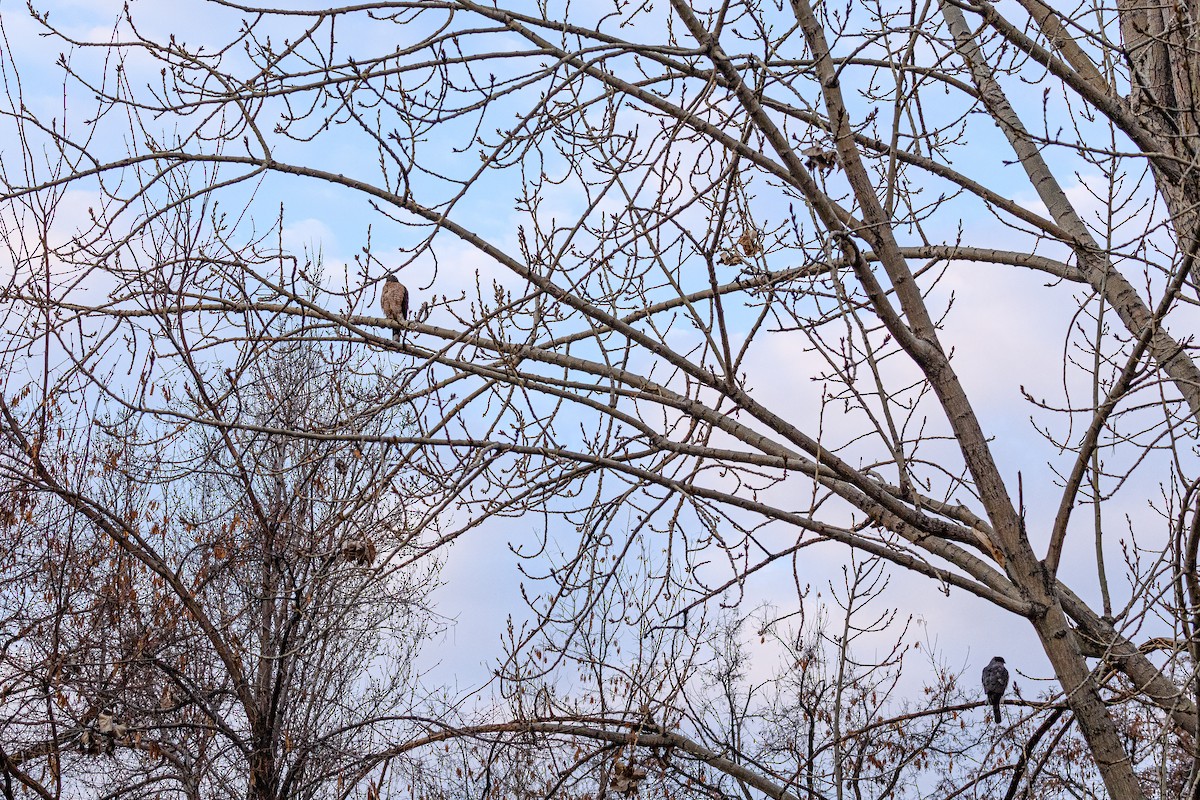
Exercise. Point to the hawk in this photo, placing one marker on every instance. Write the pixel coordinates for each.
(995, 681)
(394, 301)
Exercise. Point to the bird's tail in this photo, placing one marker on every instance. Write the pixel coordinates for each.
(395, 334)
(996, 711)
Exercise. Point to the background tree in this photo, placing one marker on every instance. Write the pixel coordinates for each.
(223, 610)
(712, 328)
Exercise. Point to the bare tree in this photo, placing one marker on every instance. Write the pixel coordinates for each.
(228, 610)
(710, 321)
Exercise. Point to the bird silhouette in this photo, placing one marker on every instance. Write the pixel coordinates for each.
(394, 301)
(995, 681)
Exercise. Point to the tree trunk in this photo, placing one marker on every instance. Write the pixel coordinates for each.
(1083, 697)
(1160, 44)
(262, 776)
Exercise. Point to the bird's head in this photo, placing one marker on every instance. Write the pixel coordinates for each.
(997, 660)
(390, 278)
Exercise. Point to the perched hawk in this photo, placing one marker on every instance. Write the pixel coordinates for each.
(394, 301)
(995, 681)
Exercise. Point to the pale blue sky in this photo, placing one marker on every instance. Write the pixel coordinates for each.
(1006, 327)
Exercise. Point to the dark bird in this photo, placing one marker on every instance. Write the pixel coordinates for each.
(995, 681)
(394, 301)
